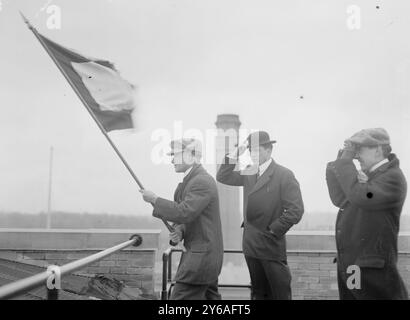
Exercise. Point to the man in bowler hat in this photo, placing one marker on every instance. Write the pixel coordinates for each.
(195, 212)
(367, 225)
(272, 205)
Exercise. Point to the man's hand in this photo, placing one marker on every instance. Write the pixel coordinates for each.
(240, 150)
(175, 237)
(272, 233)
(362, 177)
(349, 151)
(175, 240)
(149, 196)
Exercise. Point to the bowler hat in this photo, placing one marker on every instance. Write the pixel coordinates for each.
(259, 138)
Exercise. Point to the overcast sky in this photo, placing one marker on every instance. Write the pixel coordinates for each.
(192, 60)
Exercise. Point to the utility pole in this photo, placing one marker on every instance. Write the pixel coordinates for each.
(50, 180)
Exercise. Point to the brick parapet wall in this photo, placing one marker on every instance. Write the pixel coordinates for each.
(310, 259)
(314, 274)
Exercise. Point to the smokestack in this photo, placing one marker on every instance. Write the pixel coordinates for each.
(229, 197)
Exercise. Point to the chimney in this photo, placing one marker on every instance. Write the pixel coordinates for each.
(229, 197)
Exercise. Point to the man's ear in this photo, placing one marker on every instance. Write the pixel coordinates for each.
(379, 151)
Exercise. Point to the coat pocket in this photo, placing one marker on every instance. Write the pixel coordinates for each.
(199, 247)
(376, 262)
(195, 256)
(195, 261)
(192, 263)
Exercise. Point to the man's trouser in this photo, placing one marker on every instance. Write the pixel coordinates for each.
(270, 279)
(184, 291)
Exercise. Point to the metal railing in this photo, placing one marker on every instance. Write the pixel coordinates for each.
(168, 283)
(16, 288)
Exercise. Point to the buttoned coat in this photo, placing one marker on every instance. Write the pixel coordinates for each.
(367, 226)
(195, 210)
(271, 202)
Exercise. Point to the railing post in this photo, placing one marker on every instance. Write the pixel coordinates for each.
(164, 293)
(170, 272)
(52, 294)
(170, 266)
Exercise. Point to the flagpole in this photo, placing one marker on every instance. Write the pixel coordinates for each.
(85, 103)
(50, 181)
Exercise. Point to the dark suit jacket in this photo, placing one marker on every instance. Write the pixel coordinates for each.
(196, 206)
(274, 202)
(367, 225)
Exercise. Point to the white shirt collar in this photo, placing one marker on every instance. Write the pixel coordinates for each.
(379, 164)
(264, 166)
(187, 171)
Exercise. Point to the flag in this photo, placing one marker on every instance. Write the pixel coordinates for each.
(108, 96)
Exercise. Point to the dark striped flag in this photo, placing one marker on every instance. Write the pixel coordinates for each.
(108, 96)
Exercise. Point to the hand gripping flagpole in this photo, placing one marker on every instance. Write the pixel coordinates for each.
(169, 227)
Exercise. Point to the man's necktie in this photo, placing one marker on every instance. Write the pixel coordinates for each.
(178, 192)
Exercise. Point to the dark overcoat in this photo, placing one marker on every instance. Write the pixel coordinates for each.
(367, 226)
(196, 210)
(273, 201)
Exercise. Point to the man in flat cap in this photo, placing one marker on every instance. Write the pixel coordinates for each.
(367, 225)
(195, 212)
(272, 205)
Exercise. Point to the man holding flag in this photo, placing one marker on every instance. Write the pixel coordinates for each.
(195, 210)
(108, 98)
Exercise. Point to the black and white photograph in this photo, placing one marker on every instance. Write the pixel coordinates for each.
(224, 150)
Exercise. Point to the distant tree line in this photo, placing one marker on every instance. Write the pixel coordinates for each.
(68, 220)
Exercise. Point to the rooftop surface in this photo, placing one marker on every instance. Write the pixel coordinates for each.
(11, 271)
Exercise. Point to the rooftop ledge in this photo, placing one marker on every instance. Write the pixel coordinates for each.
(158, 231)
(329, 233)
(127, 231)
(75, 239)
(322, 241)
(99, 239)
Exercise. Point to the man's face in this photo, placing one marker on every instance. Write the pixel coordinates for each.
(260, 154)
(369, 156)
(182, 161)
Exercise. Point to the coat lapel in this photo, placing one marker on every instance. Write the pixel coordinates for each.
(181, 186)
(265, 178)
(178, 192)
(393, 161)
(197, 168)
(252, 181)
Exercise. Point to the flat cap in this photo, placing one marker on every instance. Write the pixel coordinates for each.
(181, 145)
(370, 137)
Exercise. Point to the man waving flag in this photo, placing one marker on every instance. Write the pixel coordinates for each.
(106, 96)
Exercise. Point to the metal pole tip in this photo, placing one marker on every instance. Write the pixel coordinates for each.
(138, 240)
